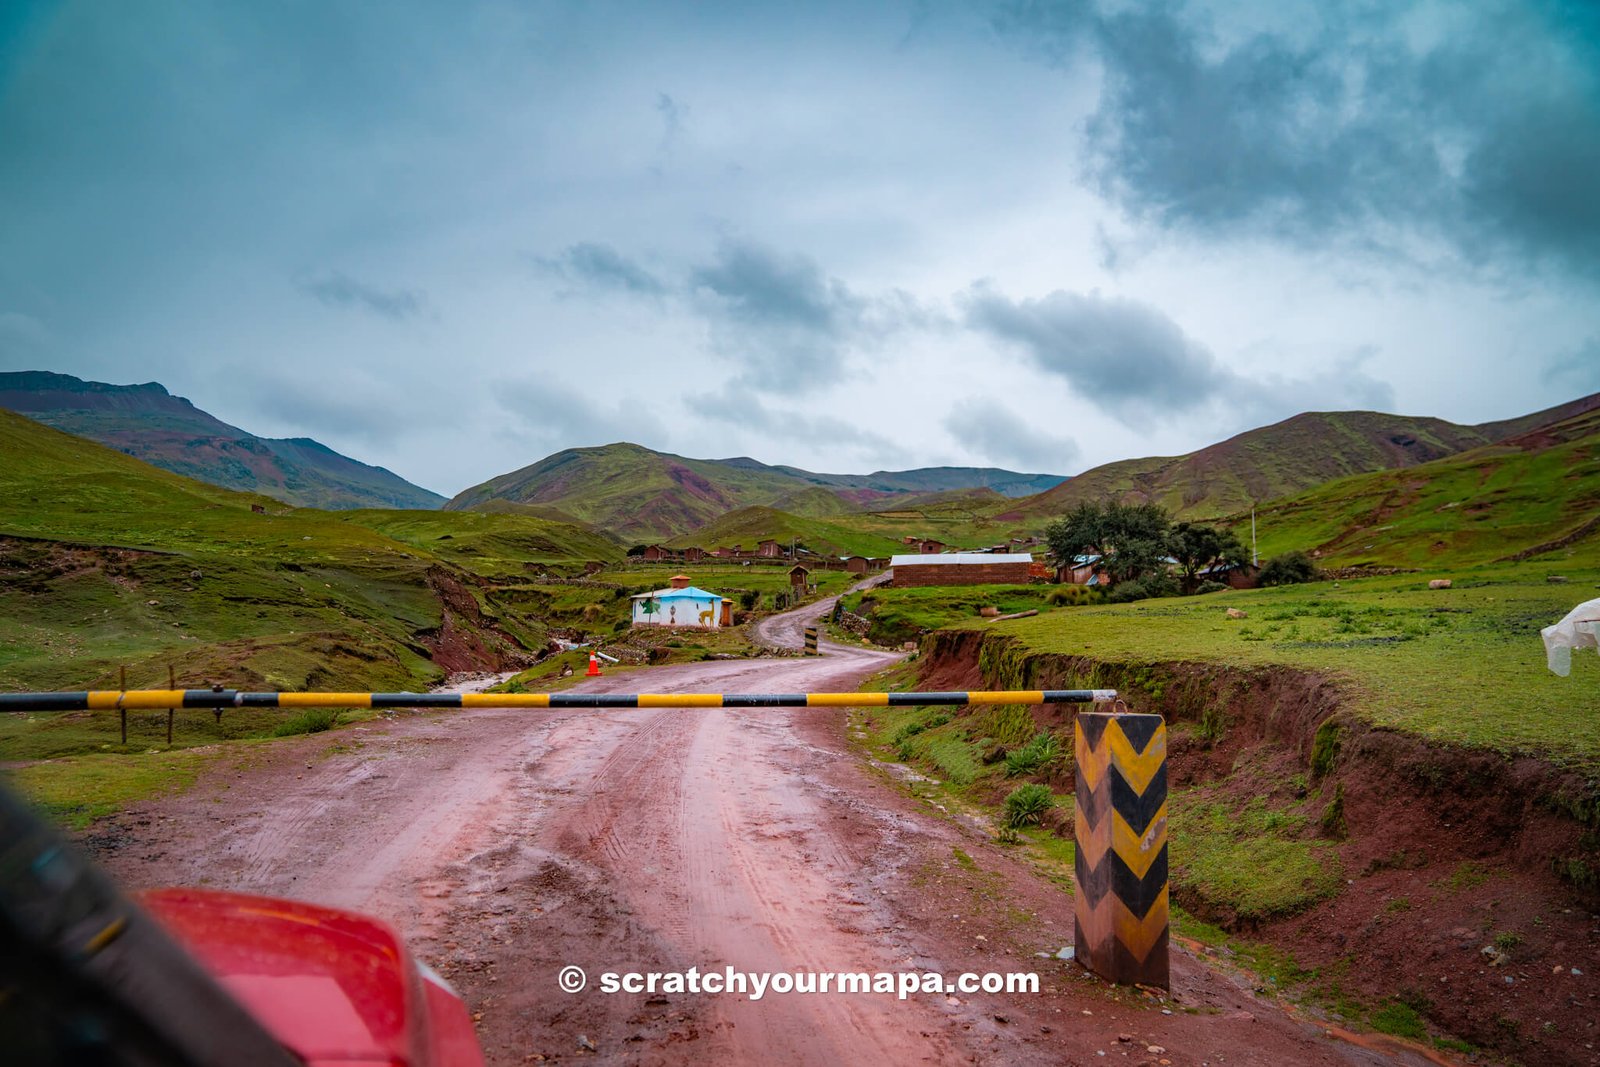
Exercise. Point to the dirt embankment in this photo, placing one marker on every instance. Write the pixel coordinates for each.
(1470, 878)
(466, 639)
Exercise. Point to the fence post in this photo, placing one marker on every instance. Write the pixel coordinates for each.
(122, 684)
(1120, 836)
(172, 683)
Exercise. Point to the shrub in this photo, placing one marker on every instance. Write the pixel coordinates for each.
(1072, 596)
(1030, 757)
(1027, 804)
(910, 729)
(1291, 568)
(1211, 587)
(1154, 584)
(748, 599)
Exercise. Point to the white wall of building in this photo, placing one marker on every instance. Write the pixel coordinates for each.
(680, 611)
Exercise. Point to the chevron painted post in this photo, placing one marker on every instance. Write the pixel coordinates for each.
(1120, 837)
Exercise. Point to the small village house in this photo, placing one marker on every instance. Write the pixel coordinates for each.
(799, 579)
(1233, 575)
(1083, 570)
(682, 605)
(693, 555)
(770, 549)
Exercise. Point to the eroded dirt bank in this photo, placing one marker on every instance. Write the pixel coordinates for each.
(508, 844)
(1444, 852)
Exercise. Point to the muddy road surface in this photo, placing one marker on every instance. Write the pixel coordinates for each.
(507, 845)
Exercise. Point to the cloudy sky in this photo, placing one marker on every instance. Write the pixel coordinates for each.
(454, 238)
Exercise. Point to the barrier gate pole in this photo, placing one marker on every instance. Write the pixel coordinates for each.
(1120, 905)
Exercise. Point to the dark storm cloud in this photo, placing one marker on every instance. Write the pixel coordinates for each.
(1477, 125)
(1134, 361)
(339, 290)
(759, 287)
(1126, 355)
(990, 429)
(600, 265)
(784, 319)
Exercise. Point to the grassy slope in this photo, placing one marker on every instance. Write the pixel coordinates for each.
(491, 544)
(1261, 464)
(108, 562)
(1462, 665)
(749, 526)
(1479, 506)
(965, 520)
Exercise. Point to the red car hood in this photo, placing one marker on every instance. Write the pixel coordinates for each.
(333, 986)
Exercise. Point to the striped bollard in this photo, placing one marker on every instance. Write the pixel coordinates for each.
(1120, 837)
(811, 640)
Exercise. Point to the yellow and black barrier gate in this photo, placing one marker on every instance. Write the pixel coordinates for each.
(1120, 824)
(114, 699)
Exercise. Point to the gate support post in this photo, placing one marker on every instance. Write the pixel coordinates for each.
(1120, 902)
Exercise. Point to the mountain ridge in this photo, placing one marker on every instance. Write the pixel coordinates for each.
(1281, 459)
(150, 423)
(639, 492)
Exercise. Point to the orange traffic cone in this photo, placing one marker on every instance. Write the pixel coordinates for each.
(594, 666)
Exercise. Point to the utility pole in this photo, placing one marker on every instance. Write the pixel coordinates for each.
(1255, 560)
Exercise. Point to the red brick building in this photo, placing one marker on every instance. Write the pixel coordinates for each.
(961, 568)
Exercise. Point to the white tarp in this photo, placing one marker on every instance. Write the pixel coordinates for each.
(1580, 629)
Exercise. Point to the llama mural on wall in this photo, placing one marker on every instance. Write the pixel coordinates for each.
(682, 604)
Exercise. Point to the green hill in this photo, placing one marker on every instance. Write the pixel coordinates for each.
(1285, 458)
(106, 561)
(1537, 494)
(169, 432)
(748, 526)
(643, 495)
(491, 544)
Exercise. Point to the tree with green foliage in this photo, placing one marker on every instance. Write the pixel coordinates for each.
(1198, 547)
(1131, 539)
(1291, 568)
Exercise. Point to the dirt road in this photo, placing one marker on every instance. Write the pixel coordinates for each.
(509, 844)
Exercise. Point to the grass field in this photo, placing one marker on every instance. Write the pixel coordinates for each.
(904, 614)
(1463, 665)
